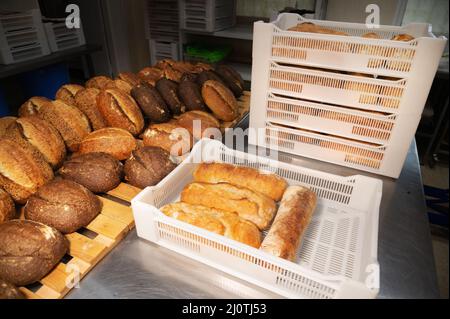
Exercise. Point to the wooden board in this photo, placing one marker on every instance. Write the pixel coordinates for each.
(88, 246)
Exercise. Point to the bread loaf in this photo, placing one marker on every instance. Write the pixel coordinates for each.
(150, 75)
(63, 204)
(170, 137)
(293, 216)
(32, 106)
(209, 75)
(130, 78)
(268, 184)
(70, 122)
(200, 124)
(5, 122)
(147, 166)
(200, 67)
(111, 140)
(254, 207)
(120, 85)
(151, 103)
(220, 100)
(9, 291)
(217, 221)
(190, 94)
(403, 37)
(29, 250)
(100, 82)
(22, 169)
(86, 102)
(169, 71)
(120, 110)
(169, 92)
(7, 208)
(98, 172)
(231, 78)
(41, 135)
(66, 93)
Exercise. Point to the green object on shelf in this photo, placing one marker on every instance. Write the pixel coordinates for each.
(211, 54)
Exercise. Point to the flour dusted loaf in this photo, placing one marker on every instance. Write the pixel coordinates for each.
(268, 184)
(7, 208)
(218, 221)
(86, 102)
(9, 291)
(32, 106)
(66, 93)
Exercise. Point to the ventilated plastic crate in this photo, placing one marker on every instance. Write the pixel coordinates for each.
(162, 20)
(62, 38)
(22, 37)
(341, 88)
(207, 15)
(160, 50)
(338, 256)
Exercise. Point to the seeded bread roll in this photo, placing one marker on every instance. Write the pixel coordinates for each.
(151, 103)
(41, 135)
(98, 172)
(70, 122)
(5, 122)
(217, 221)
(32, 106)
(169, 92)
(147, 166)
(22, 169)
(111, 140)
(120, 110)
(66, 93)
(86, 102)
(170, 137)
(199, 124)
(9, 291)
(99, 82)
(220, 100)
(29, 251)
(63, 204)
(7, 208)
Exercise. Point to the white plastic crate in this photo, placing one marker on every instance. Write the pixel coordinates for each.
(338, 256)
(22, 37)
(62, 38)
(160, 50)
(207, 15)
(308, 81)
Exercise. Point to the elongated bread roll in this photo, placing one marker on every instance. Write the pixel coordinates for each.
(293, 216)
(254, 207)
(215, 220)
(268, 184)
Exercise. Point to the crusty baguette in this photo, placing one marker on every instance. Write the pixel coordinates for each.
(254, 207)
(293, 216)
(218, 221)
(270, 185)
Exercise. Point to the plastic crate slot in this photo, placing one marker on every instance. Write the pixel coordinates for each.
(17, 40)
(27, 54)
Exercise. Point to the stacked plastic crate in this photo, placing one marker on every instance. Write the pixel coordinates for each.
(60, 37)
(163, 29)
(349, 100)
(207, 15)
(22, 36)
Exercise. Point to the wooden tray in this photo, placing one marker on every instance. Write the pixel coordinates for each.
(89, 245)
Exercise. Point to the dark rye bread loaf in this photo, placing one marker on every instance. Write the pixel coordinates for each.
(64, 205)
(98, 172)
(29, 250)
(9, 291)
(7, 208)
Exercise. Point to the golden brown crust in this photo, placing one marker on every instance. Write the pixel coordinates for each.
(293, 216)
(150, 75)
(42, 135)
(170, 137)
(129, 77)
(254, 207)
(5, 122)
(218, 221)
(268, 184)
(115, 141)
(220, 100)
(121, 85)
(32, 106)
(22, 169)
(204, 121)
(66, 93)
(402, 37)
(312, 28)
(7, 208)
(99, 82)
(86, 102)
(70, 122)
(371, 35)
(120, 110)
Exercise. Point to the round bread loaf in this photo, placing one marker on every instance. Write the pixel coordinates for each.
(5, 122)
(190, 95)
(151, 103)
(111, 140)
(42, 135)
(150, 75)
(29, 251)
(231, 78)
(147, 166)
(120, 85)
(22, 169)
(98, 172)
(70, 122)
(169, 71)
(7, 208)
(86, 102)
(66, 93)
(200, 67)
(9, 291)
(220, 100)
(170, 137)
(63, 204)
(120, 110)
(208, 75)
(169, 92)
(130, 78)
(32, 106)
(197, 122)
(100, 82)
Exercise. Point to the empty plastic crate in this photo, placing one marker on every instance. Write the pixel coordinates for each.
(207, 15)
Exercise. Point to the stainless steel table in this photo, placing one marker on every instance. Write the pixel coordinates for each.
(139, 269)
